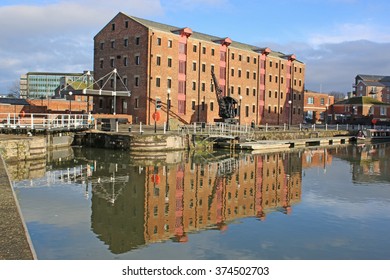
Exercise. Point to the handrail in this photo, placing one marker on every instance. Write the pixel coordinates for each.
(44, 121)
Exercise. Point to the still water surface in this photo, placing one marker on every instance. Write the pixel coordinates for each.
(309, 204)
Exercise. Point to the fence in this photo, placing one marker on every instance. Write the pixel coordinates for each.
(12, 121)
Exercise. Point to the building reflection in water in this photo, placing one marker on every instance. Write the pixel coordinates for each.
(134, 205)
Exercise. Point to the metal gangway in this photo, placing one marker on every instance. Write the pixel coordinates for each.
(13, 122)
(219, 130)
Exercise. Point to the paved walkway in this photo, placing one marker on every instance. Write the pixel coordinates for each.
(14, 241)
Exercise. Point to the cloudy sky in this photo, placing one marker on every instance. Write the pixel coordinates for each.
(336, 39)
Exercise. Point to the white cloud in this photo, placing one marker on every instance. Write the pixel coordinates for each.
(58, 36)
(350, 32)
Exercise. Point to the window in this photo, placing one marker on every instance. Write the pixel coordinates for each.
(112, 44)
(270, 78)
(158, 83)
(310, 100)
(137, 60)
(203, 68)
(322, 101)
(194, 66)
(232, 72)
(232, 90)
(125, 61)
(222, 56)
(101, 45)
(182, 66)
(270, 64)
(101, 63)
(211, 106)
(204, 50)
(136, 81)
(248, 59)
(136, 101)
(169, 43)
(158, 41)
(232, 56)
(126, 24)
(246, 111)
(112, 62)
(125, 42)
(137, 41)
(169, 83)
(254, 76)
(239, 73)
(182, 48)
(113, 26)
(194, 48)
(194, 85)
(212, 52)
(193, 105)
(182, 87)
(276, 79)
(222, 73)
(158, 62)
(383, 111)
(169, 62)
(203, 87)
(253, 108)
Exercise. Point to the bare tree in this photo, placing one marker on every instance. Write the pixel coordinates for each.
(14, 89)
(337, 95)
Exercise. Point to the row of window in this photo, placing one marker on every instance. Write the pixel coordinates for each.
(182, 68)
(275, 111)
(310, 100)
(183, 50)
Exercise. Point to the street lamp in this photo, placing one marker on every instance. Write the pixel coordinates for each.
(168, 106)
(289, 114)
(239, 111)
(70, 102)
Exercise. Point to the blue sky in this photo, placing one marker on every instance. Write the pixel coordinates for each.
(336, 39)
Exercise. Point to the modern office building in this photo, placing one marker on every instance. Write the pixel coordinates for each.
(172, 65)
(42, 85)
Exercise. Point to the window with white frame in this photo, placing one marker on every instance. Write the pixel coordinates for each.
(383, 111)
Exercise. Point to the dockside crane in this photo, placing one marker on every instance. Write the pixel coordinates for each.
(227, 105)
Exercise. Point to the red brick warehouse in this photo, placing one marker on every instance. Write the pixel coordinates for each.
(152, 57)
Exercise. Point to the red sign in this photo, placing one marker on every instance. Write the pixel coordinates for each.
(156, 116)
(156, 179)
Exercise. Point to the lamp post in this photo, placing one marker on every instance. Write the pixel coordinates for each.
(326, 114)
(289, 114)
(239, 111)
(70, 102)
(168, 107)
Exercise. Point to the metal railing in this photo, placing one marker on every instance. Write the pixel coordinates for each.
(44, 121)
(218, 130)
